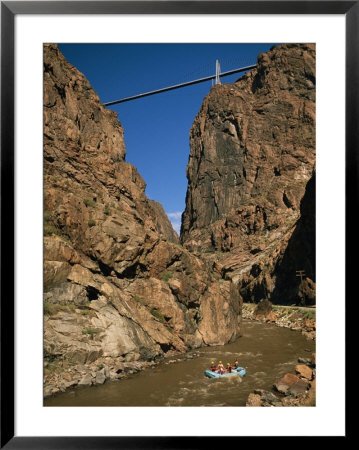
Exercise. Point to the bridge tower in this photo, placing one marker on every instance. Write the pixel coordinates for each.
(218, 71)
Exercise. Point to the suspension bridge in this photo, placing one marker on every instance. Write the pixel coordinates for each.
(216, 77)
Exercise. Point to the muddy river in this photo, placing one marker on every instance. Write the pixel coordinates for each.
(266, 350)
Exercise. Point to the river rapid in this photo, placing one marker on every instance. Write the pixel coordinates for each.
(267, 351)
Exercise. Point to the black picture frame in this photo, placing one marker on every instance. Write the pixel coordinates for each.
(9, 9)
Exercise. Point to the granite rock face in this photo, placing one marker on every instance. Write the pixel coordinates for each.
(116, 281)
(163, 224)
(252, 156)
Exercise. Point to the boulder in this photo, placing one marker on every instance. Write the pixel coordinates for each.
(299, 388)
(86, 380)
(261, 397)
(269, 398)
(100, 377)
(283, 384)
(304, 371)
(254, 400)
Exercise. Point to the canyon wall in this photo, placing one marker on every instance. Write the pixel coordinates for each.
(117, 283)
(251, 160)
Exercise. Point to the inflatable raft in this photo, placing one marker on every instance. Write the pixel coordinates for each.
(241, 371)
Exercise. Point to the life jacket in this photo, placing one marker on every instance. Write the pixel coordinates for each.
(213, 368)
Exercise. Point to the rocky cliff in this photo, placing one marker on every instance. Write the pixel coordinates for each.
(252, 156)
(117, 284)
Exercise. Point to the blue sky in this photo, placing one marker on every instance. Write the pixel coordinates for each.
(157, 127)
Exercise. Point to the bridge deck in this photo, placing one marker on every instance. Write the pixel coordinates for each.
(181, 85)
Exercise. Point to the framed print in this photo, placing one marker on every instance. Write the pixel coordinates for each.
(113, 306)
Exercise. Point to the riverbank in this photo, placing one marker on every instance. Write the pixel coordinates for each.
(294, 317)
(268, 351)
(60, 376)
(292, 389)
(297, 389)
